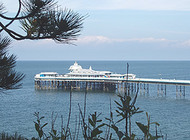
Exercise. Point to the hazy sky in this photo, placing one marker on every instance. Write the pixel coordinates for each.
(118, 30)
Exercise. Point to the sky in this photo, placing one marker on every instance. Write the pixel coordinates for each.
(117, 30)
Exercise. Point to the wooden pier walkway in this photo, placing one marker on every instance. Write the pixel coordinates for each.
(111, 84)
(161, 81)
(117, 80)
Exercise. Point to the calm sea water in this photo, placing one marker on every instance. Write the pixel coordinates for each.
(18, 106)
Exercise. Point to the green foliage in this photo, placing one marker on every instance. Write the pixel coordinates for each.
(126, 109)
(44, 19)
(119, 133)
(92, 129)
(64, 134)
(9, 78)
(6, 136)
(38, 126)
(146, 129)
(61, 27)
(54, 135)
(94, 126)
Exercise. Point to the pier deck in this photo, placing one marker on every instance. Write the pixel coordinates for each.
(118, 80)
(161, 81)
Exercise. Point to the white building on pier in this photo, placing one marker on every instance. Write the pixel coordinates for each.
(76, 71)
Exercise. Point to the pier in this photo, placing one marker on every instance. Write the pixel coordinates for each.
(88, 79)
(107, 85)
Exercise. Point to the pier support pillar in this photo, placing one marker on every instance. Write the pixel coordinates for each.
(144, 88)
(180, 92)
(121, 86)
(147, 88)
(183, 91)
(162, 90)
(140, 88)
(176, 91)
(158, 90)
(132, 88)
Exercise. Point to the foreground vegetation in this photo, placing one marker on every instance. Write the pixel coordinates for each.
(94, 128)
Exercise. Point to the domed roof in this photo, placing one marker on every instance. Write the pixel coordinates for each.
(76, 66)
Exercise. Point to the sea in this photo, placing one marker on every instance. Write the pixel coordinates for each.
(171, 111)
